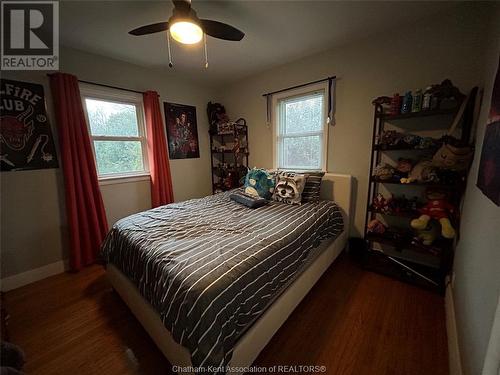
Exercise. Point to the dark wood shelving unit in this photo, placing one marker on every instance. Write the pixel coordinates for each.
(229, 166)
(395, 253)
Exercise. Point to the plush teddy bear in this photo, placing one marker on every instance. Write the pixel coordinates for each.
(437, 208)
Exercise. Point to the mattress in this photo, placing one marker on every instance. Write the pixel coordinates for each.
(211, 266)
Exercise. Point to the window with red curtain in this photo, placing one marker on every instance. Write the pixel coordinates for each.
(159, 166)
(84, 206)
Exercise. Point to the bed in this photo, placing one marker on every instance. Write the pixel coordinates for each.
(211, 281)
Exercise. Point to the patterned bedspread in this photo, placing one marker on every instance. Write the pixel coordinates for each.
(211, 266)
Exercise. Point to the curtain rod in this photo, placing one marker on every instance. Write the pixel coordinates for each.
(103, 85)
(111, 87)
(298, 86)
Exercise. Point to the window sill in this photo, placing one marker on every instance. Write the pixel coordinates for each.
(123, 179)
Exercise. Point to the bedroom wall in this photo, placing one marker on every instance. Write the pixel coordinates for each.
(446, 46)
(33, 225)
(476, 289)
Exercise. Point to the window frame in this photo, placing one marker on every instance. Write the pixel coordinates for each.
(89, 91)
(317, 88)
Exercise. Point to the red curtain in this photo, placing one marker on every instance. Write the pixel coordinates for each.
(161, 180)
(84, 207)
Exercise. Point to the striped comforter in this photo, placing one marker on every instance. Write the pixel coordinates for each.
(211, 266)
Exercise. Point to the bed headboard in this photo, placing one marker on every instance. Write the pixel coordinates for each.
(338, 188)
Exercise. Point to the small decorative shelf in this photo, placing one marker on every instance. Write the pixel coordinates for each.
(229, 158)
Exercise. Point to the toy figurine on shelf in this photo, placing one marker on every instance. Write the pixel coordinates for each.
(376, 226)
(445, 95)
(395, 106)
(411, 140)
(384, 172)
(416, 105)
(380, 203)
(426, 101)
(426, 142)
(407, 102)
(437, 208)
(390, 138)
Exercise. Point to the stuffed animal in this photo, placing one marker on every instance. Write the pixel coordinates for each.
(453, 158)
(422, 172)
(390, 138)
(216, 113)
(426, 142)
(412, 140)
(427, 235)
(380, 203)
(384, 172)
(437, 208)
(259, 183)
(446, 90)
(403, 168)
(376, 226)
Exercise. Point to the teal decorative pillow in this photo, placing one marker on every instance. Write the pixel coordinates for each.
(259, 183)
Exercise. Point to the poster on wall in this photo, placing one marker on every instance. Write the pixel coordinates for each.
(182, 131)
(488, 179)
(26, 140)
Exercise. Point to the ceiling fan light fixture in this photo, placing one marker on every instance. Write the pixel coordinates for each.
(186, 32)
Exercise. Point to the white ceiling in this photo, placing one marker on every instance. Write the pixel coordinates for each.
(276, 31)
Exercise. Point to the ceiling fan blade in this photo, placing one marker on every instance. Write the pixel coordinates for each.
(221, 30)
(150, 29)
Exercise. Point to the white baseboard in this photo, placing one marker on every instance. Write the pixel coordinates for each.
(28, 277)
(451, 330)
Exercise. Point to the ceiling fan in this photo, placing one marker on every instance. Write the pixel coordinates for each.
(186, 28)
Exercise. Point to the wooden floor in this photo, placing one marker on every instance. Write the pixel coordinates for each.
(352, 322)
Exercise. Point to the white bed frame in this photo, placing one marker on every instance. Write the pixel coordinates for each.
(335, 187)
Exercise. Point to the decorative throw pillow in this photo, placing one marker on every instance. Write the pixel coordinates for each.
(259, 183)
(289, 187)
(313, 187)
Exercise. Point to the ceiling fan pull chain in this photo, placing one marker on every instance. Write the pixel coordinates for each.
(206, 50)
(170, 63)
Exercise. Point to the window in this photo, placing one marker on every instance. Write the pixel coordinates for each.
(300, 129)
(116, 126)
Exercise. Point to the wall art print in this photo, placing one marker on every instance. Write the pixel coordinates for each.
(182, 131)
(488, 179)
(26, 140)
